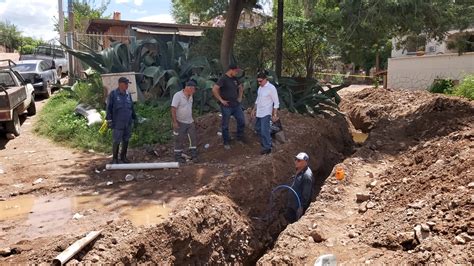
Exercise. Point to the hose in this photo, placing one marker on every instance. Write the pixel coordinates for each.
(291, 189)
(267, 216)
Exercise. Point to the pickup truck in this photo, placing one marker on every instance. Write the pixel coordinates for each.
(56, 55)
(16, 97)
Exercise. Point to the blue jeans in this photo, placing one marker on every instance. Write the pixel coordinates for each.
(237, 112)
(262, 126)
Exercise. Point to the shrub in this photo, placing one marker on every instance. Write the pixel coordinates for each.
(465, 88)
(90, 91)
(442, 86)
(337, 79)
(58, 121)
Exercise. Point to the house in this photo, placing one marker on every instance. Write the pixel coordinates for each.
(105, 31)
(248, 19)
(418, 63)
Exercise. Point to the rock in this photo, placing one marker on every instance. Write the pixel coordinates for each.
(361, 197)
(2, 171)
(363, 207)
(326, 260)
(370, 174)
(114, 240)
(10, 136)
(459, 240)
(129, 177)
(95, 259)
(370, 205)
(405, 238)
(77, 216)
(316, 236)
(101, 247)
(448, 217)
(470, 185)
(5, 252)
(431, 224)
(417, 205)
(420, 235)
(425, 228)
(371, 184)
(109, 183)
(38, 181)
(466, 237)
(353, 234)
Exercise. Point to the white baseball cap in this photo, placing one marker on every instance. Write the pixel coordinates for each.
(302, 156)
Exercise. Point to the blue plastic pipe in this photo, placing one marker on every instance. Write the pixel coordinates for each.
(291, 189)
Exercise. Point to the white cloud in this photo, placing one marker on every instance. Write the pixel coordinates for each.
(137, 11)
(121, 1)
(162, 18)
(32, 17)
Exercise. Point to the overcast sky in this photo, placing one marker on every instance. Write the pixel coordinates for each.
(36, 18)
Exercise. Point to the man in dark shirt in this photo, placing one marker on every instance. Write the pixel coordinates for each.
(120, 114)
(303, 186)
(228, 92)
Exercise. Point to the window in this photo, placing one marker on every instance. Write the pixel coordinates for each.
(25, 67)
(415, 43)
(6, 79)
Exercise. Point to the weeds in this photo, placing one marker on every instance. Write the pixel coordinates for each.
(465, 88)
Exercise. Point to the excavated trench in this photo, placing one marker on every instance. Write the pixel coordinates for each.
(231, 221)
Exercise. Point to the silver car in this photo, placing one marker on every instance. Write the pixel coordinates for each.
(40, 73)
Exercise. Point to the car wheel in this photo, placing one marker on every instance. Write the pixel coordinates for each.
(32, 108)
(14, 125)
(47, 89)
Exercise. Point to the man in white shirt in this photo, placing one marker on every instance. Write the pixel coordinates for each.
(266, 108)
(183, 122)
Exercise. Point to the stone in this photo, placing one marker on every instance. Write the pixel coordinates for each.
(363, 207)
(425, 228)
(101, 247)
(466, 237)
(420, 235)
(416, 205)
(38, 181)
(370, 205)
(371, 184)
(361, 197)
(459, 240)
(431, 224)
(5, 252)
(470, 185)
(316, 236)
(405, 237)
(95, 259)
(114, 240)
(353, 234)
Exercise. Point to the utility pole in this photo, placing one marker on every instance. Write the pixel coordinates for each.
(62, 38)
(70, 40)
(279, 39)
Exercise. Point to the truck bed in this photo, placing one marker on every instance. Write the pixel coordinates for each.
(15, 96)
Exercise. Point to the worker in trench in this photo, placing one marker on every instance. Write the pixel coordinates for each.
(302, 184)
(120, 116)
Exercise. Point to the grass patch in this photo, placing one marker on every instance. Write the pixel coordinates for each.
(58, 122)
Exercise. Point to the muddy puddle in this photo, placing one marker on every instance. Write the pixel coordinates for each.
(29, 217)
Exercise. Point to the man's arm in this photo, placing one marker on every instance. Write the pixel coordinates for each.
(306, 192)
(217, 95)
(241, 93)
(110, 107)
(173, 118)
(276, 103)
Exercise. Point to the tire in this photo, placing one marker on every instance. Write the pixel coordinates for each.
(14, 125)
(32, 108)
(47, 89)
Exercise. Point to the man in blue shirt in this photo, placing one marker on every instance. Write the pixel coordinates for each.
(303, 185)
(120, 115)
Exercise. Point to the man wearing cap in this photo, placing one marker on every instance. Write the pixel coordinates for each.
(303, 186)
(120, 114)
(266, 108)
(183, 122)
(228, 91)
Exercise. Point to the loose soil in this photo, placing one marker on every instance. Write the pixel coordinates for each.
(415, 167)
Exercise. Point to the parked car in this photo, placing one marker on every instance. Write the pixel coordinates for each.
(40, 73)
(56, 55)
(16, 97)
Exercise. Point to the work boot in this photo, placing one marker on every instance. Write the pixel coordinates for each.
(178, 157)
(115, 150)
(194, 155)
(123, 153)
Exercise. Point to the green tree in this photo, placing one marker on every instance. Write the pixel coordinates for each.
(10, 36)
(204, 9)
(28, 44)
(84, 10)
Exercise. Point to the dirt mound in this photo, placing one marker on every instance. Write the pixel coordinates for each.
(407, 196)
(228, 194)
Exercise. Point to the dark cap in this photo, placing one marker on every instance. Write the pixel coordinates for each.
(233, 66)
(124, 80)
(191, 83)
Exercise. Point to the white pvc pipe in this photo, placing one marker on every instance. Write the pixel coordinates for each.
(72, 250)
(141, 166)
